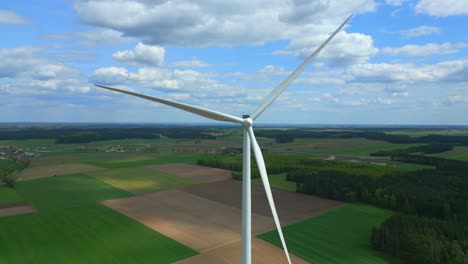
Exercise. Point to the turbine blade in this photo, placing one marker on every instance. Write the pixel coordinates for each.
(286, 82)
(266, 183)
(211, 114)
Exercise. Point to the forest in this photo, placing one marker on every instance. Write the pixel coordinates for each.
(70, 135)
(436, 198)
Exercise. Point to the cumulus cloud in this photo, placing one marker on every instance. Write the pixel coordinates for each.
(447, 71)
(420, 31)
(425, 50)
(8, 17)
(205, 23)
(345, 49)
(442, 8)
(25, 70)
(141, 55)
(109, 75)
(101, 36)
(193, 63)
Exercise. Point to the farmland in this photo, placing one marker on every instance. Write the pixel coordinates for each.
(140, 180)
(9, 196)
(339, 236)
(85, 234)
(67, 191)
(156, 189)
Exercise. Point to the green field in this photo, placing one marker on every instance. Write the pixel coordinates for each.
(7, 163)
(339, 236)
(458, 153)
(67, 191)
(278, 181)
(87, 234)
(9, 195)
(140, 180)
(337, 146)
(135, 162)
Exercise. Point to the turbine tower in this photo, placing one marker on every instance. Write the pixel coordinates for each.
(249, 142)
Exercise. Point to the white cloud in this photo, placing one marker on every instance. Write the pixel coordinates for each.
(204, 23)
(345, 49)
(193, 63)
(141, 55)
(447, 71)
(110, 75)
(8, 17)
(25, 70)
(100, 36)
(420, 31)
(424, 50)
(395, 2)
(442, 8)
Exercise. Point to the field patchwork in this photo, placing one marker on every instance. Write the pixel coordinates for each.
(90, 234)
(139, 180)
(198, 223)
(339, 236)
(144, 161)
(67, 191)
(291, 207)
(194, 172)
(35, 172)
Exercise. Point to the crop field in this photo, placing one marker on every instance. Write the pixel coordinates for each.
(193, 172)
(9, 195)
(85, 234)
(336, 146)
(135, 162)
(35, 172)
(458, 153)
(278, 181)
(339, 236)
(67, 191)
(140, 180)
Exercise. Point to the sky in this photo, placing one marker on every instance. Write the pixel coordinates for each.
(398, 62)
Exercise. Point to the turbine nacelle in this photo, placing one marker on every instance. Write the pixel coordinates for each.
(247, 122)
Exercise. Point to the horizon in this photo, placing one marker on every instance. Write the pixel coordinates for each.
(225, 124)
(397, 62)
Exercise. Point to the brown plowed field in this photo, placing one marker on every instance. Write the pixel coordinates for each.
(291, 207)
(262, 253)
(199, 173)
(196, 222)
(16, 210)
(207, 217)
(61, 169)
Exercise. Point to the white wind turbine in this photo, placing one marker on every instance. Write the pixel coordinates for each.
(249, 141)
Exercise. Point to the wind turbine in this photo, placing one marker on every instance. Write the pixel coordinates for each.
(249, 141)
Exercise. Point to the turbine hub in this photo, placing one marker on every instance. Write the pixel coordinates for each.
(248, 122)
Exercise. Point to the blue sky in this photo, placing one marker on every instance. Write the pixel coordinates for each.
(396, 62)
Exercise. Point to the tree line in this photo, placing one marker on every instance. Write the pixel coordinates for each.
(70, 135)
(430, 199)
(287, 135)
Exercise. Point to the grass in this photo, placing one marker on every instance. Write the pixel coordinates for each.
(141, 180)
(458, 153)
(7, 163)
(67, 191)
(91, 234)
(338, 146)
(278, 181)
(339, 236)
(9, 195)
(135, 162)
